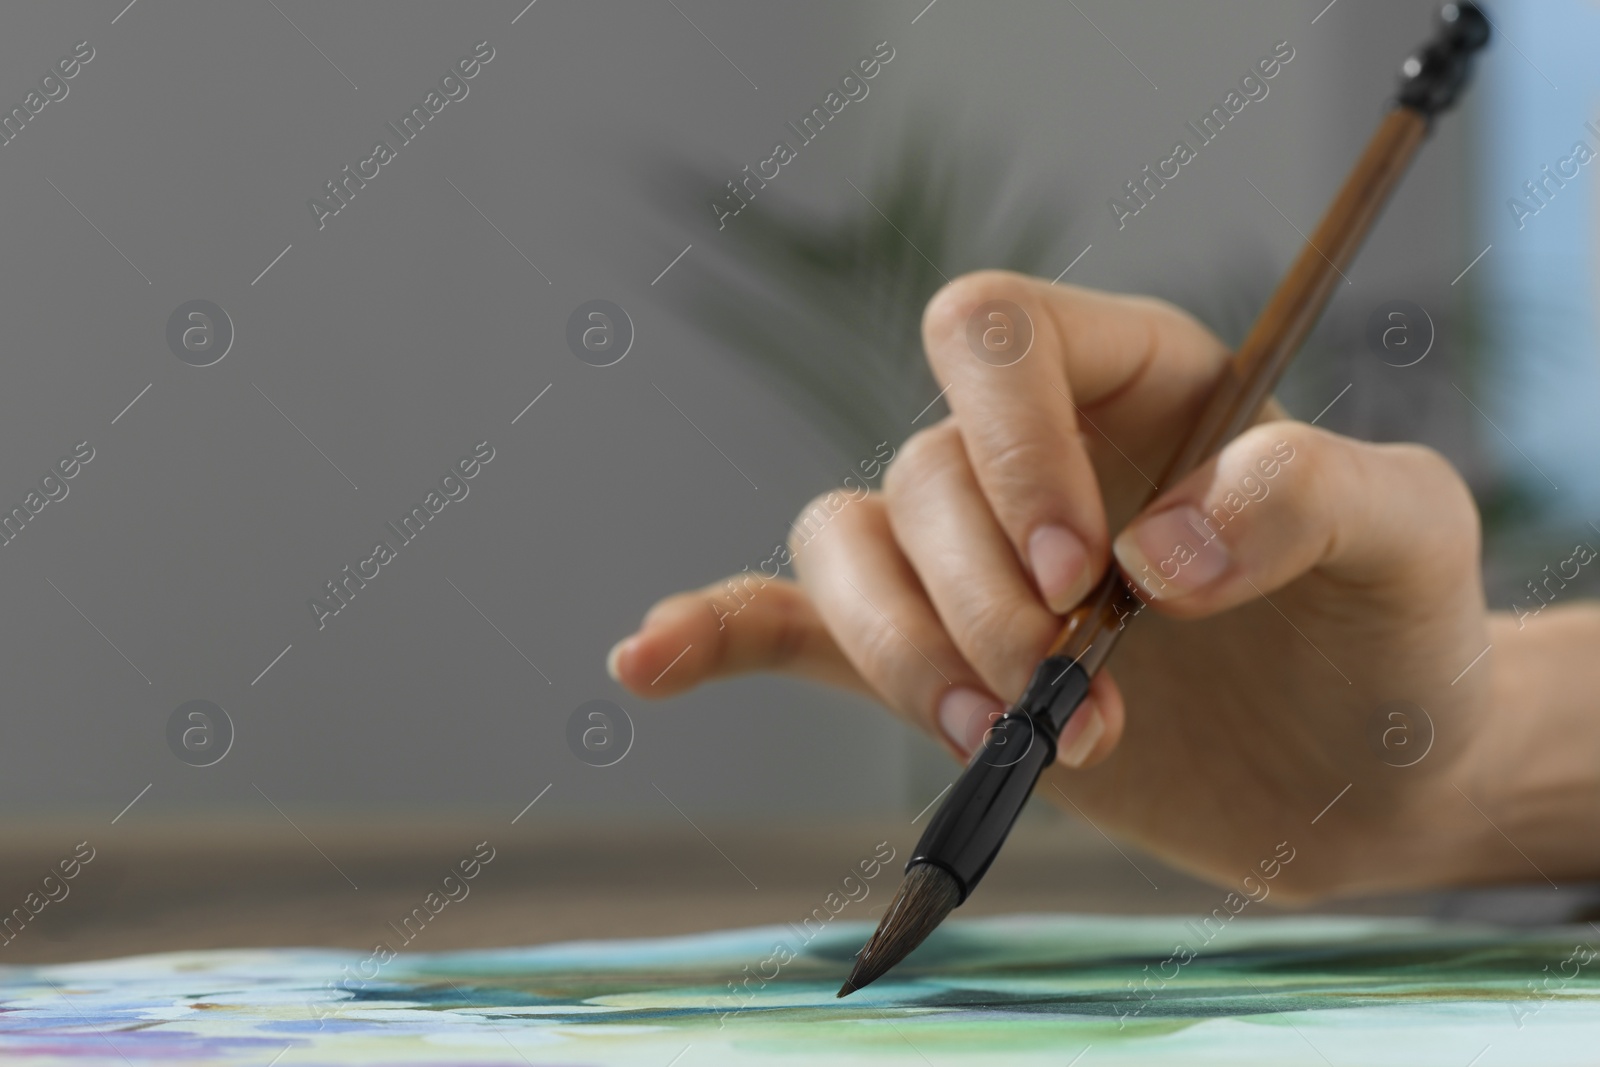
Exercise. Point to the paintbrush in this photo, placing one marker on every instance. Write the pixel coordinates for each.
(972, 823)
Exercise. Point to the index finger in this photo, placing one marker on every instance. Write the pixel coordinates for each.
(1021, 358)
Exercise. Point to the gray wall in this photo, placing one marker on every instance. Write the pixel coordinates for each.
(408, 329)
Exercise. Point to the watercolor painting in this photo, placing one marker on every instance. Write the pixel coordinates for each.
(1016, 990)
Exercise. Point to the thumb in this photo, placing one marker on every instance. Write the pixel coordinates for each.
(1284, 499)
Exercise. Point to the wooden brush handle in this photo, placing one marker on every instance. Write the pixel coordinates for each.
(1248, 378)
(1431, 80)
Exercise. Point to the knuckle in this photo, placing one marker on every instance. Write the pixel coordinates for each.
(1287, 463)
(1318, 465)
(1166, 319)
(1004, 640)
(1150, 330)
(1277, 448)
(1016, 466)
(809, 523)
(922, 453)
(948, 312)
(1017, 457)
(981, 620)
(1427, 465)
(956, 300)
(853, 515)
(721, 638)
(879, 654)
(1435, 485)
(793, 631)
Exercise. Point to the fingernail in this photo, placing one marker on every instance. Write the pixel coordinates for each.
(1060, 565)
(1082, 733)
(1171, 552)
(964, 716)
(614, 658)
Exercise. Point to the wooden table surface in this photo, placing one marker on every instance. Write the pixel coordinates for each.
(165, 884)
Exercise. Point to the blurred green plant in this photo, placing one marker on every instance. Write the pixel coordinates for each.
(828, 309)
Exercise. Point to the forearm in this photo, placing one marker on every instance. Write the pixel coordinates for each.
(1534, 770)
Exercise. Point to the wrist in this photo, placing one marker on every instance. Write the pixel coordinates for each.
(1529, 781)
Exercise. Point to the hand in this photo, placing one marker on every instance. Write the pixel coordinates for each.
(1296, 582)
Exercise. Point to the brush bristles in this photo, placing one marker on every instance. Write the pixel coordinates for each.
(927, 895)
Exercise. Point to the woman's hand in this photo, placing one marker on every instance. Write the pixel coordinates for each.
(1296, 582)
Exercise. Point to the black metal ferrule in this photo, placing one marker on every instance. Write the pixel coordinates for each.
(1433, 77)
(967, 831)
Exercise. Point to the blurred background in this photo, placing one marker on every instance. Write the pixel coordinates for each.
(765, 357)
